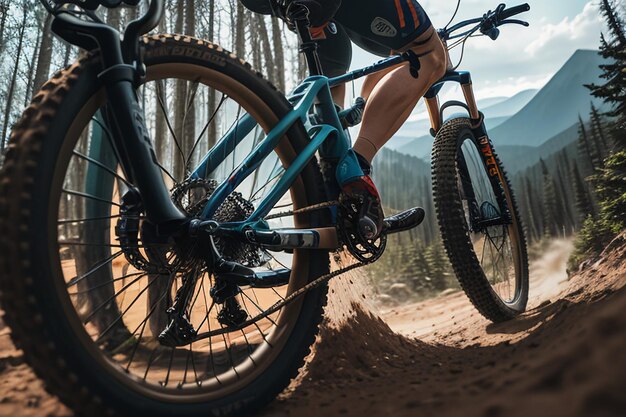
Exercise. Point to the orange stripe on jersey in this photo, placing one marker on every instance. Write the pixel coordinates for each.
(400, 13)
(414, 13)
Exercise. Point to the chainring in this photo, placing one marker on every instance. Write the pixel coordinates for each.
(364, 250)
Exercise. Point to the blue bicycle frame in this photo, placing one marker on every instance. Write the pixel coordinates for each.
(329, 139)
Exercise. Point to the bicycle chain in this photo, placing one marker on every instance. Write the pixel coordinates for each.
(284, 302)
(320, 206)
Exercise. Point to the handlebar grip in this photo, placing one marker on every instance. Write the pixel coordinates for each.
(505, 14)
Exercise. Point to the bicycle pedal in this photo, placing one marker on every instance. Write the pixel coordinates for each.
(404, 221)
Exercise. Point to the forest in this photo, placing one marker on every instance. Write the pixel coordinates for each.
(30, 53)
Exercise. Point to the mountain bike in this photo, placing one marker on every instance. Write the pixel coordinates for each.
(157, 265)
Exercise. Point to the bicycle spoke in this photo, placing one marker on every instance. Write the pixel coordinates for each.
(87, 219)
(257, 306)
(102, 263)
(117, 320)
(91, 197)
(104, 284)
(169, 368)
(169, 127)
(113, 297)
(102, 166)
(145, 321)
(206, 126)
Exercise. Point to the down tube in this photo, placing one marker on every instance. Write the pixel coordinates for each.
(251, 162)
(224, 147)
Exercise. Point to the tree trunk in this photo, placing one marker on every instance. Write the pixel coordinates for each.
(11, 93)
(45, 55)
(114, 17)
(160, 111)
(180, 95)
(4, 12)
(240, 33)
(255, 45)
(189, 136)
(31, 70)
(67, 55)
(212, 131)
(279, 54)
(270, 70)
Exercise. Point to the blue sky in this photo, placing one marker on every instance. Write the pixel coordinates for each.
(521, 58)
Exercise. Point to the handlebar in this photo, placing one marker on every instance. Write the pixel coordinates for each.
(92, 32)
(515, 10)
(489, 23)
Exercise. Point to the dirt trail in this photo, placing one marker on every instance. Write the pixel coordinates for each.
(453, 320)
(564, 357)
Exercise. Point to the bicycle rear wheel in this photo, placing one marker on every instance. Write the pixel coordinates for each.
(479, 221)
(81, 302)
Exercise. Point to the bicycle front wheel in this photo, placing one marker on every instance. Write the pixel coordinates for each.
(87, 296)
(479, 221)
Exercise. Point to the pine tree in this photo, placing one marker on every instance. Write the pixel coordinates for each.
(439, 266)
(533, 218)
(550, 204)
(598, 127)
(613, 92)
(610, 181)
(583, 204)
(585, 148)
(610, 185)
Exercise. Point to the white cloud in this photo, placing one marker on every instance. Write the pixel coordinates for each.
(582, 30)
(527, 57)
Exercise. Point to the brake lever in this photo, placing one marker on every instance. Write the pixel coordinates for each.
(515, 22)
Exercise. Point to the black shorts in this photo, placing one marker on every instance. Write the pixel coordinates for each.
(378, 26)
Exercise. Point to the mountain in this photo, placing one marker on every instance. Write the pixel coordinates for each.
(556, 106)
(509, 106)
(520, 157)
(496, 109)
(422, 145)
(544, 116)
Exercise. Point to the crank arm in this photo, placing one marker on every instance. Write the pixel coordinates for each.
(289, 239)
(275, 240)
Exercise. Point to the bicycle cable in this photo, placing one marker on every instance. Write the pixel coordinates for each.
(458, 6)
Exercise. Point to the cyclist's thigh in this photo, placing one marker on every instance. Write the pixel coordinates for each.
(335, 52)
(381, 26)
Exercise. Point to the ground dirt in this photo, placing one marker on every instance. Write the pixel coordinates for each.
(566, 356)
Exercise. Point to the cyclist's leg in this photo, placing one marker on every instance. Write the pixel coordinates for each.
(393, 97)
(335, 53)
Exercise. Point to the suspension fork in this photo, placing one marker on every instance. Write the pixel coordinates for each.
(130, 135)
(135, 147)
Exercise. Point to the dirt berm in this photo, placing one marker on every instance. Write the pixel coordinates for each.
(565, 357)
